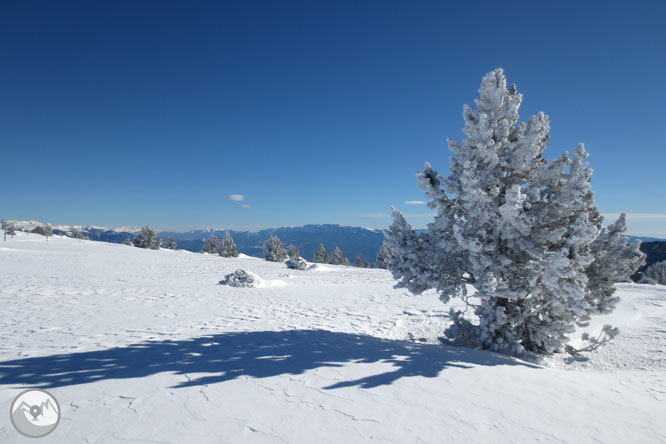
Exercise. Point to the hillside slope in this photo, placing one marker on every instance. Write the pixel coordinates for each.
(144, 346)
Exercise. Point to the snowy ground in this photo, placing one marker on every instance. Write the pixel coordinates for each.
(144, 346)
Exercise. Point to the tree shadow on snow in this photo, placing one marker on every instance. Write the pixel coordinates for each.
(260, 354)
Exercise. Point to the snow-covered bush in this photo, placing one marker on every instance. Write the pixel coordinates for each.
(11, 231)
(78, 234)
(146, 239)
(44, 230)
(274, 250)
(170, 243)
(297, 264)
(320, 255)
(655, 274)
(524, 232)
(127, 241)
(228, 248)
(211, 245)
(239, 278)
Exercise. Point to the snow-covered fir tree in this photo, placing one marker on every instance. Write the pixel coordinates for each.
(337, 258)
(320, 255)
(358, 262)
(228, 248)
(293, 252)
(127, 241)
(146, 239)
(211, 245)
(517, 228)
(655, 274)
(274, 250)
(11, 231)
(170, 243)
(384, 256)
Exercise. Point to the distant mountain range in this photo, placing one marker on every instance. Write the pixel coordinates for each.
(353, 241)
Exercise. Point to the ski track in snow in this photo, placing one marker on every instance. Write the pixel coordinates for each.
(144, 346)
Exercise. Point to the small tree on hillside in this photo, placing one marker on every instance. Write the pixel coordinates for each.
(274, 250)
(228, 248)
(358, 262)
(211, 245)
(655, 274)
(11, 231)
(519, 229)
(320, 255)
(293, 252)
(384, 256)
(146, 239)
(337, 258)
(170, 243)
(48, 231)
(127, 241)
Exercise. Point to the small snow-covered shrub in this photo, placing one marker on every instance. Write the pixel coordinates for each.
(655, 274)
(239, 278)
(297, 264)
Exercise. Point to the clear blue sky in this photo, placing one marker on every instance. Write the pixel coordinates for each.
(154, 112)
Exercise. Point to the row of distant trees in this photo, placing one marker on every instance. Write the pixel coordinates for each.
(274, 250)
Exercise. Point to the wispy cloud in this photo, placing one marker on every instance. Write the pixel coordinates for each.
(245, 206)
(415, 202)
(237, 197)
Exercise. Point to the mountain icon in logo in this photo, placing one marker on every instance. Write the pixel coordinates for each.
(35, 413)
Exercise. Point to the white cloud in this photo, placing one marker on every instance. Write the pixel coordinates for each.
(245, 206)
(415, 202)
(237, 197)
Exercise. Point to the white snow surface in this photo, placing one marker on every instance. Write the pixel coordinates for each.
(144, 346)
